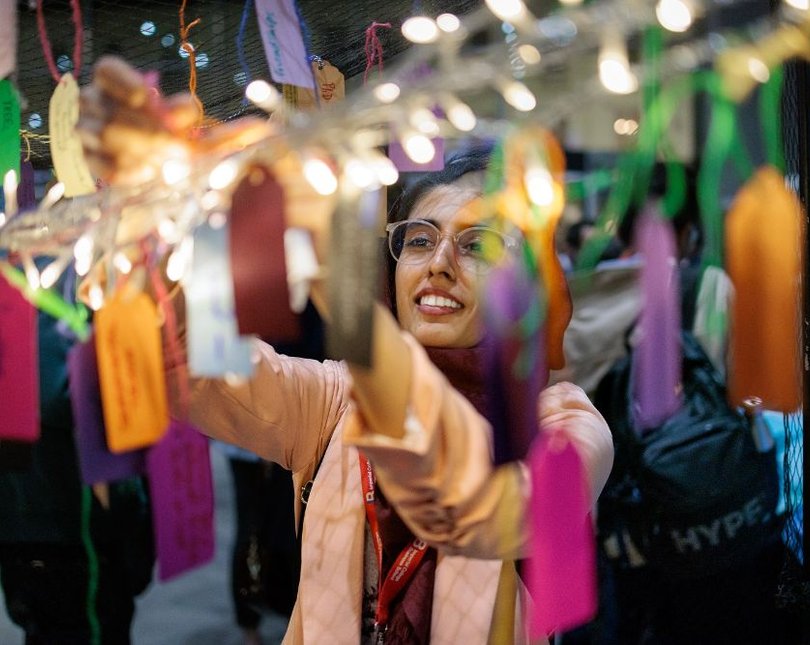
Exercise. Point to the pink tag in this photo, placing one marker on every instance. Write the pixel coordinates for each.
(19, 372)
(284, 48)
(405, 164)
(182, 494)
(562, 559)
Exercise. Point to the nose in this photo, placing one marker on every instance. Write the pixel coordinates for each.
(444, 258)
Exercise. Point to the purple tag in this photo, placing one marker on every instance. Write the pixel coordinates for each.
(182, 500)
(26, 198)
(96, 462)
(19, 373)
(284, 46)
(405, 164)
(515, 362)
(562, 554)
(657, 359)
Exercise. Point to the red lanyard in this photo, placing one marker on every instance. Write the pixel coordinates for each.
(404, 566)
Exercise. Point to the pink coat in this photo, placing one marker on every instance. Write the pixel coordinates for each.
(439, 476)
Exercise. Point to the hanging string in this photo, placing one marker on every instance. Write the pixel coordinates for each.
(240, 43)
(77, 40)
(192, 58)
(374, 51)
(92, 566)
(25, 138)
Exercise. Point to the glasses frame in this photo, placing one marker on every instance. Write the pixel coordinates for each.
(510, 243)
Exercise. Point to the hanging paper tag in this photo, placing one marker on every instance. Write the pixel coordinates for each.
(764, 263)
(330, 84)
(353, 275)
(96, 462)
(19, 374)
(562, 562)
(214, 345)
(8, 37)
(259, 274)
(515, 368)
(284, 47)
(66, 148)
(657, 390)
(26, 197)
(130, 367)
(9, 130)
(182, 495)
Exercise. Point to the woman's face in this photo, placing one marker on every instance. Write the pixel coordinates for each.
(437, 300)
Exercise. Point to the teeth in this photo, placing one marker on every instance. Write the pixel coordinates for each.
(439, 301)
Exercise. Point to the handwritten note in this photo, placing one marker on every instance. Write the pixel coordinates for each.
(214, 344)
(130, 365)
(179, 469)
(283, 43)
(66, 148)
(8, 37)
(19, 374)
(9, 129)
(96, 462)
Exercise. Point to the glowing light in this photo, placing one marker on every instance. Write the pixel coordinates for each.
(2, 218)
(35, 120)
(201, 60)
(167, 230)
(519, 96)
(507, 10)
(675, 15)
(210, 200)
(185, 49)
(461, 116)
(263, 94)
(217, 220)
(387, 92)
(10, 192)
(54, 194)
(223, 174)
(759, 71)
(419, 148)
(320, 176)
(179, 261)
(625, 127)
(801, 5)
(571, 3)
(175, 171)
(539, 185)
(386, 171)
(148, 28)
(122, 263)
(167, 40)
(31, 274)
(63, 63)
(96, 297)
(420, 29)
(424, 121)
(614, 68)
(448, 22)
(529, 53)
(360, 174)
(50, 274)
(240, 78)
(83, 254)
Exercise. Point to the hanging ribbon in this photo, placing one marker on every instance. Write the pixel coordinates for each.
(374, 51)
(187, 47)
(77, 40)
(240, 43)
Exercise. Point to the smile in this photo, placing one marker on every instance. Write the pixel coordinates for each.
(432, 300)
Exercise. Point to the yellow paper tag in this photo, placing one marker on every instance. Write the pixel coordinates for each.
(330, 83)
(130, 370)
(66, 148)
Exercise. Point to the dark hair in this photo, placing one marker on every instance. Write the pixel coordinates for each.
(474, 159)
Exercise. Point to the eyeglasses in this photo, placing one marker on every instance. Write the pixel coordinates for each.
(477, 248)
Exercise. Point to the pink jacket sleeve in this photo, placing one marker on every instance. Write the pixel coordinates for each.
(285, 412)
(440, 475)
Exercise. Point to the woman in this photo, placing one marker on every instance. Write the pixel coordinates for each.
(430, 448)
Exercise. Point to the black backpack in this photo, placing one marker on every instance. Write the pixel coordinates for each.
(692, 496)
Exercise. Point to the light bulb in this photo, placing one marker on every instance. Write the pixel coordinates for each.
(387, 92)
(263, 94)
(529, 53)
(507, 10)
(614, 68)
(674, 15)
(448, 22)
(122, 263)
(360, 174)
(50, 274)
(424, 121)
(10, 192)
(387, 173)
(175, 171)
(217, 220)
(223, 174)
(83, 254)
(759, 71)
(419, 148)
(519, 96)
(320, 176)
(539, 185)
(177, 263)
(2, 218)
(801, 5)
(96, 297)
(461, 116)
(420, 29)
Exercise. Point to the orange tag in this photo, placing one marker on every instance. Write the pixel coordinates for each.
(130, 367)
(66, 149)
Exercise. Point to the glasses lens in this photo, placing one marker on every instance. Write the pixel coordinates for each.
(481, 246)
(411, 241)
